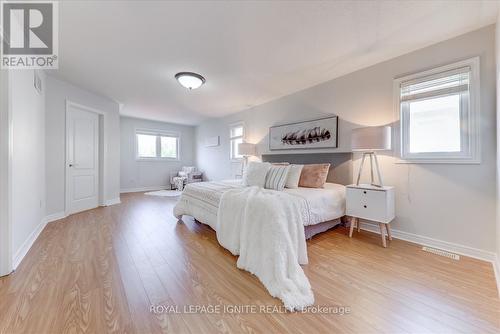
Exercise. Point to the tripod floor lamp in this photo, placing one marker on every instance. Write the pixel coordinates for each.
(369, 140)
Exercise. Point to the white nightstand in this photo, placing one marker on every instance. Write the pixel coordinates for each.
(371, 203)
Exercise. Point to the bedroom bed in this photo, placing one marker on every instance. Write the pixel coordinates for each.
(241, 216)
(322, 209)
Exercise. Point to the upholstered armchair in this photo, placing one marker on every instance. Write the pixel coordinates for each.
(185, 176)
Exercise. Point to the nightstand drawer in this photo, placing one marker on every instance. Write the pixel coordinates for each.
(369, 204)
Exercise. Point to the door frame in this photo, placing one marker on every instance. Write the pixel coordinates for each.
(102, 148)
(5, 175)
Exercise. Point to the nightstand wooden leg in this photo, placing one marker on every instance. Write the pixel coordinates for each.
(382, 234)
(358, 225)
(351, 228)
(388, 228)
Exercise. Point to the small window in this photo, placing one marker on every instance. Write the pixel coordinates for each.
(146, 146)
(168, 147)
(438, 114)
(153, 145)
(236, 134)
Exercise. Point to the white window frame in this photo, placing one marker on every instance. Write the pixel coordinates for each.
(232, 138)
(470, 153)
(158, 134)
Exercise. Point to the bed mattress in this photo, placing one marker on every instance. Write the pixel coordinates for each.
(323, 204)
(201, 201)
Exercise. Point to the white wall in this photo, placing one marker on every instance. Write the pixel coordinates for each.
(138, 175)
(497, 44)
(5, 227)
(58, 92)
(451, 203)
(27, 110)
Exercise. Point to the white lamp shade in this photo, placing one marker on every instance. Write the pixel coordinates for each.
(246, 149)
(372, 138)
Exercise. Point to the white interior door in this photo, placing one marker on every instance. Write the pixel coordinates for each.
(82, 159)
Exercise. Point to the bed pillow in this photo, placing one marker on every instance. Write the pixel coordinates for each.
(314, 176)
(292, 181)
(255, 174)
(276, 177)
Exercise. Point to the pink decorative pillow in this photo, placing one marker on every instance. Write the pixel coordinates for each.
(314, 176)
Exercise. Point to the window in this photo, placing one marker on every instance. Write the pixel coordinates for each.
(438, 114)
(236, 134)
(155, 145)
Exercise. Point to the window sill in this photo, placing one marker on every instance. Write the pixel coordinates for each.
(439, 161)
(158, 159)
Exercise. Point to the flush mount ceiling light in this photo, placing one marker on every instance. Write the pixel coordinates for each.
(190, 80)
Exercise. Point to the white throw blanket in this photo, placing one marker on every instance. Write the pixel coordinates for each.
(266, 230)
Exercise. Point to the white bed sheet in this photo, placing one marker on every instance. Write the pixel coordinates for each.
(325, 203)
(201, 200)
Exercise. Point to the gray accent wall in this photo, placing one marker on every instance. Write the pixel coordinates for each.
(451, 203)
(340, 163)
(149, 175)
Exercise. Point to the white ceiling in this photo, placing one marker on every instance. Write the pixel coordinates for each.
(249, 52)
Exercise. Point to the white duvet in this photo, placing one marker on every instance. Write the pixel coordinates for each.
(323, 204)
(201, 200)
(266, 229)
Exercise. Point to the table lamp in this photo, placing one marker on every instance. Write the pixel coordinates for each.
(369, 140)
(246, 150)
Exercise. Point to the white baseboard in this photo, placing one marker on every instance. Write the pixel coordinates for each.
(55, 216)
(496, 268)
(136, 190)
(112, 201)
(444, 245)
(435, 243)
(25, 247)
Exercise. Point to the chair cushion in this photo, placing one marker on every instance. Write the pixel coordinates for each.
(189, 169)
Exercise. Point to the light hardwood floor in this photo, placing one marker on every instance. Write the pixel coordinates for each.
(100, 271)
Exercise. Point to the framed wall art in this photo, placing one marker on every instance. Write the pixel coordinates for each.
(319, 133)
